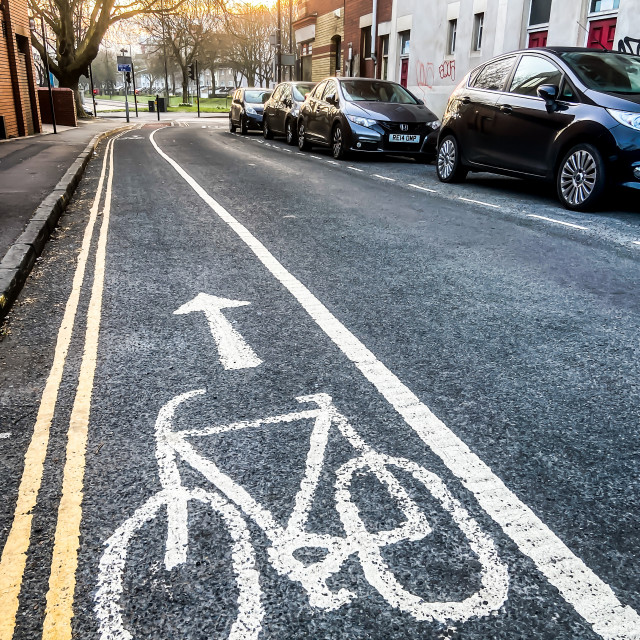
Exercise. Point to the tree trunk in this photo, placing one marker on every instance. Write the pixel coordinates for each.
(71, 83)
(185, 90)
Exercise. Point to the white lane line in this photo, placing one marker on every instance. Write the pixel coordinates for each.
(332, 162)
(356, 169)
(636, 242)
(486, 204)
(300, 154)
(315, 157)
(375, 175)
(288, 150)
(4, 436)
(590, 596)
(415, 186)
(566, 224)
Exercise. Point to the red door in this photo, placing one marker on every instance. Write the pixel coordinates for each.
(538, 39)
(602, 34)
(404, 72)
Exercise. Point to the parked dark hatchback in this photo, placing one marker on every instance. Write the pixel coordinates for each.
(566, 114)
(282, 109)
(247, 108)
(362, 114)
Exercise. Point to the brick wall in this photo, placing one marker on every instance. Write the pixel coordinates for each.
(18, 101)
(353, 34)
(64, 105)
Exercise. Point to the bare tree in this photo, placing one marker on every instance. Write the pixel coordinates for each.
(187, 33)
(78, 27)
(250, 52)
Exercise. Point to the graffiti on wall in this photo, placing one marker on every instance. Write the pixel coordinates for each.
(426, 75)
(448, 70)
(629, 45)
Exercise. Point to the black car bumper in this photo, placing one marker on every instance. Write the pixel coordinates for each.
(378, 140)
(253, 121)
(624, 163)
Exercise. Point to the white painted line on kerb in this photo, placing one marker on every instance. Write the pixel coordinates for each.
(486, 204)
(592, 598)
(356, 169)
(415, 186)
(636, 242)
(566, 224)
(375, 175)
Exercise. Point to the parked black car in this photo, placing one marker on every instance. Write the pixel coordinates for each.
(247, 108)
(566, 114)
(282, 109)
(362, 114)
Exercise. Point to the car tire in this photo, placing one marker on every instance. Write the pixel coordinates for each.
(232, 127)
(449, 165)
(290, 132)
(303, 145)
(266, 132)
(243, 126)
(581, 178)
(338, 148)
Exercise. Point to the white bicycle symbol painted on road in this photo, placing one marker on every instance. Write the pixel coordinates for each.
(235, 505)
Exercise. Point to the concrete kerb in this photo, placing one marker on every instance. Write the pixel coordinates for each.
(21, 256)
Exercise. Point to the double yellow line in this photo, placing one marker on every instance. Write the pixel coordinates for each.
(57, 624)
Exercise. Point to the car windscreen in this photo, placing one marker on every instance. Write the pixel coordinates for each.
(256, 97)
(301, 90)
(610, 72)
(374, 91)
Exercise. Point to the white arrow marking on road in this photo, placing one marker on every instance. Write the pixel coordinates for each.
(234, 352)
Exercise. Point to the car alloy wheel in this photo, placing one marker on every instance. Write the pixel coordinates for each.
(449, 167)
(338, 143)
(266, 132)
(581, 179)
(290, 131)
(303, 145)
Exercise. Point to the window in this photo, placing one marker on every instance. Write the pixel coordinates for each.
(493, 76)
(568, 92)
(604, 5)
(532, 72)
(329, 89)
(405, 41)
(540, 12)
(277, 94)
(384, 48)
(451, 40)
(365, 42)
(317, 92)
(478, 26)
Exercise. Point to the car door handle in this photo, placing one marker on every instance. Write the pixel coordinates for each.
(506, 108)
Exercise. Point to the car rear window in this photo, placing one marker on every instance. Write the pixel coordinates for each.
(493, 75)
(256, 97)
(301, 90)
(609, 72)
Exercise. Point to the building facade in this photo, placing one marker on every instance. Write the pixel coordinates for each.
(429, 46)
(319, 35)
(19, 113)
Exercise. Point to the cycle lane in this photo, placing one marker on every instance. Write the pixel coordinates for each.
(186, 264)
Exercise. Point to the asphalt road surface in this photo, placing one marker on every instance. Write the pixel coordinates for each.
(249, 393)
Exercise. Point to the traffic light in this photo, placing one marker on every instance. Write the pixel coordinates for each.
(127, 76)
(192, 71)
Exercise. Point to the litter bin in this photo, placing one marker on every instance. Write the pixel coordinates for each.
(152, 106)
(162, 107)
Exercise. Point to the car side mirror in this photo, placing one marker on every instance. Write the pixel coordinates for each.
(549, 93)
(332, 98)
(421, 102)
(236, 101)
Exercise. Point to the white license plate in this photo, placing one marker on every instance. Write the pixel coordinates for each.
(401, 137)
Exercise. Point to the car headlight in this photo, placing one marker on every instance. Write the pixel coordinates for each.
(363, 122)
(627, 118)
(435, 124)
(251, 110)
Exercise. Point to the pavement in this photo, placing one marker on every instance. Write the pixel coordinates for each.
(297, 398)
(36, 179)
